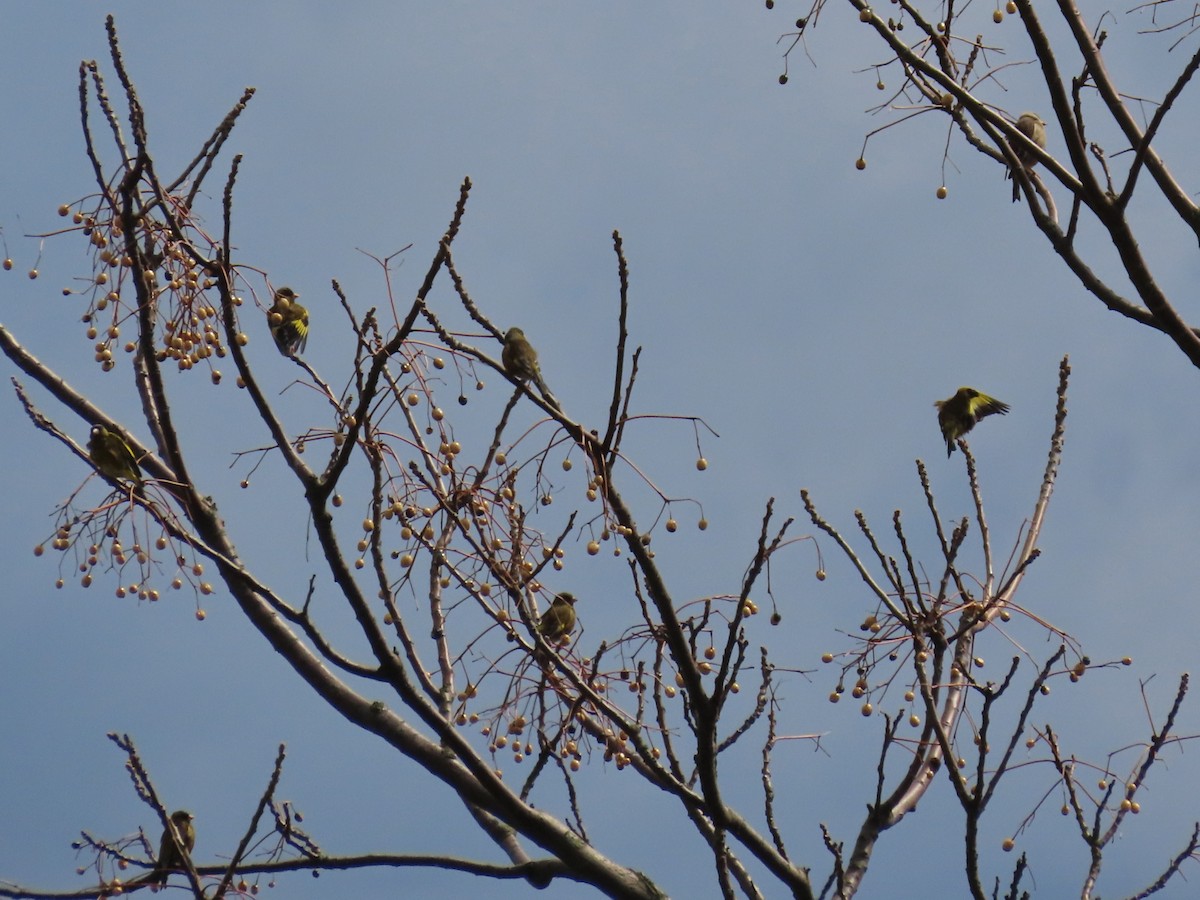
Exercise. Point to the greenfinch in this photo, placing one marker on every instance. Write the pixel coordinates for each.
(959, 414)
(288, 321)
(169, 857)
(521, 362)
(1032, 126)
(112, 455)
(559, 619)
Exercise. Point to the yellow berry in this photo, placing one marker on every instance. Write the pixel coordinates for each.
(860, 164)
(941, 192)
(997, 16)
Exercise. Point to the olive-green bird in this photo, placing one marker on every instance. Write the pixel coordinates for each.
(288, 321)
(959, 414)
(169, 857)
(1032, 126)
(559, 619)
(521, 362)
(112, 455)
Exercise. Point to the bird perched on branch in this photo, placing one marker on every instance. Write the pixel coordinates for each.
(1032, 126)
(288, 321)
(959, 414)
(521, 362)
(559, 619)
(169, 856)
(112, 455)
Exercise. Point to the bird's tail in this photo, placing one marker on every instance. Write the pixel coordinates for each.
(546, 395)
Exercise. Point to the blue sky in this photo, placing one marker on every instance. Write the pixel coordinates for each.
(810, 313)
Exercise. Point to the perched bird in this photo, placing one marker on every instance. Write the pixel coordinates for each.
(288, 321)
(559, 619)
(959, 414)
(169, 857)
(1032, 126)
(112, 455)
(521, 362)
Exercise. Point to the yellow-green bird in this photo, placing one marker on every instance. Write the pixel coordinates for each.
(169, 857)
(959, 414)
(112, 455)
(559, 619)
(288, 321)
(521, 362)
(1032, 126)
